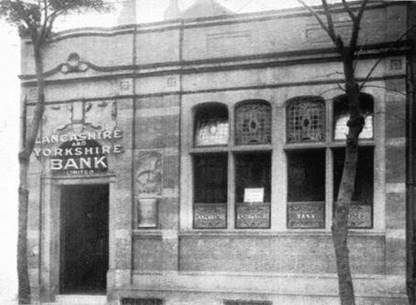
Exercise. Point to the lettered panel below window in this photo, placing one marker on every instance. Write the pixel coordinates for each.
(361, 209)
(253, 190)
(306, 189)
(210, 191)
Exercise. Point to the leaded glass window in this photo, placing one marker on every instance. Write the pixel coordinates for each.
(306, 120)
(211, 125)
(253, 123)
(341, 117)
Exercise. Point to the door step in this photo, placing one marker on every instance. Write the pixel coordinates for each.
(74, 299)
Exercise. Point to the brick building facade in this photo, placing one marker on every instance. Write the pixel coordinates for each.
(196, 161)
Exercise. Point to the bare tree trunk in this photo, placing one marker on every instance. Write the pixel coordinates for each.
(24, 162)
(22, 264)
(346, 189)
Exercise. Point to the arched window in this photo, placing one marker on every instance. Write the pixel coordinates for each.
(361, 209)
(310, 148)
(249, 179)
(210, 171)
(341, 116)
(211, 125)
(253, 123)
(306, 119)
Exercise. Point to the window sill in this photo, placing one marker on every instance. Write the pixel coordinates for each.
(268, 233)
(363, 142)
(317, 145)
(233, 148)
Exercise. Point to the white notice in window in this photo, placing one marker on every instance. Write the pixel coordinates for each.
(254, 194)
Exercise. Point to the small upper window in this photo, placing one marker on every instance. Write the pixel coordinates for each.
(211, 125)
(306, 120)
(341, 116)
(253, 123)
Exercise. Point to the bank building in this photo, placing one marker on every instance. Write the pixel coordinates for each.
(196, 160)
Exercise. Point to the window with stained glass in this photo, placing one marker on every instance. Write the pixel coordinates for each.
(253, 123)
(310, 148)
(306, 120)
(221, 166)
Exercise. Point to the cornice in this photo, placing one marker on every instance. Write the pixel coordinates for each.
(336, 81)
(74, 68)
(161, 26)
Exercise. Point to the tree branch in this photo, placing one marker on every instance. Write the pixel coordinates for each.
(26, 20)
(331, 27)
(348, 9)
(356, 25)
(51, 21)
(381, 57)
(44, 24)
(319, 19)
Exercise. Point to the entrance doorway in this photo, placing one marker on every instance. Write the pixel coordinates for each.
(84, 238)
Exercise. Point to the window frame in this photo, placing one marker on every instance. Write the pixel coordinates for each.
(278, 100)
(231, 149)
(329, 144)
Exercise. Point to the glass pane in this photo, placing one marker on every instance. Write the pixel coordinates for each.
(306, 189)
(211, 125)
(253, 123)
(306, 121)
(210, 191)
(306, 175)
(362, 200)
(341, 116)
(253, 190)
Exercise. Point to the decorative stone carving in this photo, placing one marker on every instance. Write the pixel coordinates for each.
(78, 116)
(147, 212)
(101, 115)
(55, 117)
(74, 64)
(149, 174)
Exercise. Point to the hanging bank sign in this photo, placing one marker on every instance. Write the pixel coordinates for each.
(81, 153)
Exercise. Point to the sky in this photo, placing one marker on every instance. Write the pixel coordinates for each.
(150, 10)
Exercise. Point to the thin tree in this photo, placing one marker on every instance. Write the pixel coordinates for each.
(347, 51)
(35, 20)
